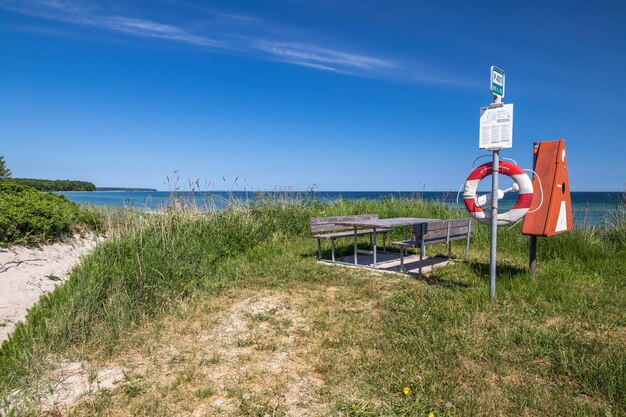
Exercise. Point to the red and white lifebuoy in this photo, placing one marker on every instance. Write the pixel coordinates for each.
(524, 198)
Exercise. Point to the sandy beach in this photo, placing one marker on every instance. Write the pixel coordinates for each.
(28, 272)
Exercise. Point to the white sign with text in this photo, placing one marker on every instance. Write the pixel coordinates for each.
(496, 127)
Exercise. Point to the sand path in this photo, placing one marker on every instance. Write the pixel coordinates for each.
(28, 272)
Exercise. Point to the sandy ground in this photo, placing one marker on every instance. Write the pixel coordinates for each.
(26, 273)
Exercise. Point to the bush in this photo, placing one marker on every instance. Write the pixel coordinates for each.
(28, 216)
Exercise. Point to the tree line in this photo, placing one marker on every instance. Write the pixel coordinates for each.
(44, 185)
(53, 185)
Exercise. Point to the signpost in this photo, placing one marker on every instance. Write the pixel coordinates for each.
(495, 130)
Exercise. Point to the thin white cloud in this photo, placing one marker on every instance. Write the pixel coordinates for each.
(322, 57)
(71, 13)
(152, 29)
(237, 17)
(315, 66)
(143, 26)
(61, 5)
(296, 53)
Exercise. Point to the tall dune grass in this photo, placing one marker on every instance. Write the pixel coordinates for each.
(153, 261)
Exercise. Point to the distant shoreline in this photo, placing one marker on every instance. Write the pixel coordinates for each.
(123, 189)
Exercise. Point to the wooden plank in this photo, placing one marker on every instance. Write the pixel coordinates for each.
(417, 243)
(459, 223)
(348, 234)
(324, 220)
(325, 224)
(431, 230)
(436, 232)
(459, 230)
(328, 228)
(391, 222)
(407, 243)
(435, 226)
(438, 239)
(405, 221)
(431, 226)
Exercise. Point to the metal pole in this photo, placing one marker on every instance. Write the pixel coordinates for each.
(532, 263)
(494, 224)
(374, 247)
(532, 259)
(356, 246)
(495, 167)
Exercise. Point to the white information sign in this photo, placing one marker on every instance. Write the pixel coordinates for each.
(496, 127)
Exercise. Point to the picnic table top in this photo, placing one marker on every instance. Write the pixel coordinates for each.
(391, 222)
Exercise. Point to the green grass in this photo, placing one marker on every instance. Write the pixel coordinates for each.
(28, 216)
(551, 345)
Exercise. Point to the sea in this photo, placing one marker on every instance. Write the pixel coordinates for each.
(589, 208)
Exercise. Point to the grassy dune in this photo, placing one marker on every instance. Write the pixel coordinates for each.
(163, 283)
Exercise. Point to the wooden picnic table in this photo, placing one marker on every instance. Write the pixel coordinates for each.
(381, 224)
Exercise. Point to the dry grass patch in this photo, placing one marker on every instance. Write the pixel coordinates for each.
(246, 352)
(243, 353)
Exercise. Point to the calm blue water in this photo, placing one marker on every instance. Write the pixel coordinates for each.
(590, 208)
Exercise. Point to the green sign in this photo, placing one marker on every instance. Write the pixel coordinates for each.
(497, 82)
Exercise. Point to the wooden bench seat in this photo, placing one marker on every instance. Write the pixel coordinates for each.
(445, 231)
(325, 228)
(362, 232)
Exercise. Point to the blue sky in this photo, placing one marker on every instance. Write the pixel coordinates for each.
(348, 95)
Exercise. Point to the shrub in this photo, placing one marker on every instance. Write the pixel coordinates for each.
(28, 216)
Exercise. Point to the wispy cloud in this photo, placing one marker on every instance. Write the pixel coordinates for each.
(65, 11)
(323, 58)
(152, 29)
(86, 13)
(311, 65)
(236, 17)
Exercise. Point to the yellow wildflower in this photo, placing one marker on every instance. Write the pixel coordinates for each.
(431, 414)
(406, 390)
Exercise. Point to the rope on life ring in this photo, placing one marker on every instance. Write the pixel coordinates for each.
(523, 184)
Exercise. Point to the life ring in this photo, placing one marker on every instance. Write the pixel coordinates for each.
(523, 184)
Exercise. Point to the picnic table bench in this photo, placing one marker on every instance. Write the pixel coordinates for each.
(444, 231)
(326, 228)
